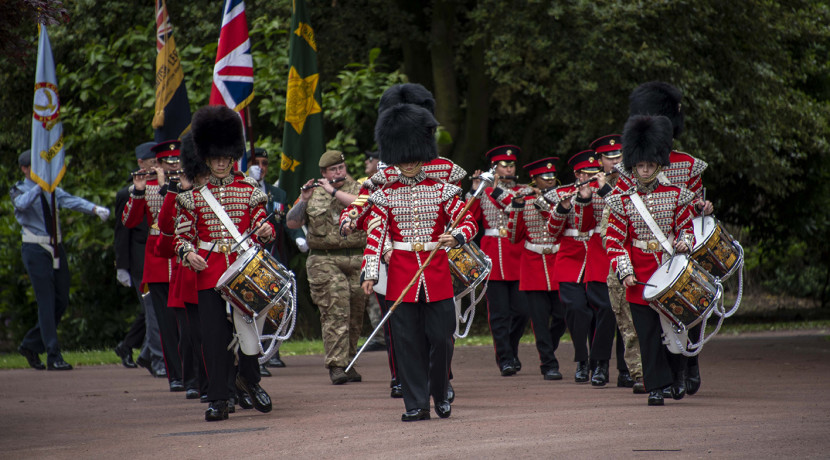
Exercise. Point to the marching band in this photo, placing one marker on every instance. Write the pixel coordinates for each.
(624, 251)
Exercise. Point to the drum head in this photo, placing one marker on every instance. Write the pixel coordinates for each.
(703, 234)
(237, 266)
(665, 276)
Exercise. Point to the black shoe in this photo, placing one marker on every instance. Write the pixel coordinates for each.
(263, 371)
(415, 415)
(692, 380)
(678, 388)
(141, 362)
(245, 400)
(624, 380)
(581, 374)
(176, 385)
(259, 398)
(59, 365)
(600, 377)
(655, 398)
(203, 398)
(517, 364)
(507, 369)
(217, 411)
(443, 409)
(667, 392)
(160, 372)
(32, 358)
(126, 355)
(232, 404)
(191, 394)
(450, 393)
(552, 374)
(338, 375)
(275, 361)
(397, 391)
(639, 387)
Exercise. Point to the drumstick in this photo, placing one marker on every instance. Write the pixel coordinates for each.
(703, 211)
(268, 217)
(210, 251)
(645, 284)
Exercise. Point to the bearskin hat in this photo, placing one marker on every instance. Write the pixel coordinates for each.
(192, 165)
(407, 93)
(405, 133)
(646, 138)
(217, 132)
(658, 98)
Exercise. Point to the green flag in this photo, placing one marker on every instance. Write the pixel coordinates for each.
(302, 140)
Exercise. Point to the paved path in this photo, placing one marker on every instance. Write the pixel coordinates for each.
(763, 396)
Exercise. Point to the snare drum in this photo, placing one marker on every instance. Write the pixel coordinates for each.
(255, 282)
(715, 249)
(469, 267)
(683, 292)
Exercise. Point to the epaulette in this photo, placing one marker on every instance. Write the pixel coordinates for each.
(698, 167)
(250, 181)
(257, 197)
(185, 200)
(379, 198)
(685, 197)
(456, 174)
(614, 202)
(450, 191)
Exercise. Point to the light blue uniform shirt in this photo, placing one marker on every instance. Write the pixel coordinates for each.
(29, 211)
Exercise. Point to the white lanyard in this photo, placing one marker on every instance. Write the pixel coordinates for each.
(223, 217)
(649, 220)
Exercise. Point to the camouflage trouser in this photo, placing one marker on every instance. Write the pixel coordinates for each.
(335, 288)
(616, 291)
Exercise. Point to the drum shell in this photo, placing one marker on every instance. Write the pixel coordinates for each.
(715, 251)
(687, 300)
(255, 282)
(467, 264)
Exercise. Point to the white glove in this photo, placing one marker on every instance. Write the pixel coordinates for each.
(302, 244)
(255, 172)
(123, 277)
(103, 213)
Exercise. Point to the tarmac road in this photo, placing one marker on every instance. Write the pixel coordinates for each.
(763, 396)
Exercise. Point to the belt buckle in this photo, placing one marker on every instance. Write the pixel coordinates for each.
(502, 232)
(224, 248)
(418, 247)
(547, 251)
(652, 245)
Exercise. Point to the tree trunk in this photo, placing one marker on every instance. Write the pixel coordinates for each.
(474, 141)
(442, 45)
(415, 49)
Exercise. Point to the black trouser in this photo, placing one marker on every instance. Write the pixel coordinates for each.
(217, 333)
(578, 316)
(422, 333)
(193, 320)
(658, 362)
(190, 363)
(605, 323)
(694, 336)
(547, 317)
(620, 349)
(169, 330)
(387, 335)
(507, 315)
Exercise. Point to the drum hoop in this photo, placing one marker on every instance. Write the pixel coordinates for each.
(673, 281)
(238, 266)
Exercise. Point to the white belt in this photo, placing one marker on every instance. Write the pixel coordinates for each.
(496, 232)
(38, 239)
(219, 247)
(542, 248)
(414, 247)
(575, 233)
(155, 232)
(649, 245)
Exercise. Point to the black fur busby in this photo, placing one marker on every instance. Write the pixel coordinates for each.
(405, 133)
(658, 98)
(407, 93)
(217, 132)
(193, 166)
(646, 138)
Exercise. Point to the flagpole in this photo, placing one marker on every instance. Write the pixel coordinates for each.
(53, 237)
(250, 130)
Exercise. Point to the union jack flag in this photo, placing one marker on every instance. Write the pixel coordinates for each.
(233, 73)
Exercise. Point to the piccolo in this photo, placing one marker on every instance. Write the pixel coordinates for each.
(500, 177)
(142, 173)
(317, 184)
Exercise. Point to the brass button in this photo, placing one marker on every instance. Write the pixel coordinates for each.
(503, 232)
(418, 247)
(652, 245)
(547, 251)
(224, 248)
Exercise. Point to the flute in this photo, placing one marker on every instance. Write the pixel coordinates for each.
(142, 173)
(500, 177)
(316, 184)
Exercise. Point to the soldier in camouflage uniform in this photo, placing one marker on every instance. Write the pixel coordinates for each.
(333, 263)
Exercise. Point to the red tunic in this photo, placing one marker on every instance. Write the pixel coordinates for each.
(182, 280)
(146, 206)
(528, 226)
(571, 259)
(596, 268)
(243, 201)
(672, 211)
(414, 210)
(489, 209)
(684, 171)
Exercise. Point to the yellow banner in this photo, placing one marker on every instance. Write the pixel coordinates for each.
(169, 76)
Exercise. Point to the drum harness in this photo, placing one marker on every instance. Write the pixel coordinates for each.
(676, 338)
(241, 242)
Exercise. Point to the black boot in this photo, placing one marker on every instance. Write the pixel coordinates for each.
(678, 388)
(581, 375)
(600, 377)
(218, 410)
(692, 379)
(655, 398)
(624, 380)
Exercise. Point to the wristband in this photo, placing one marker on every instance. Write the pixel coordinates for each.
(334, 192)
